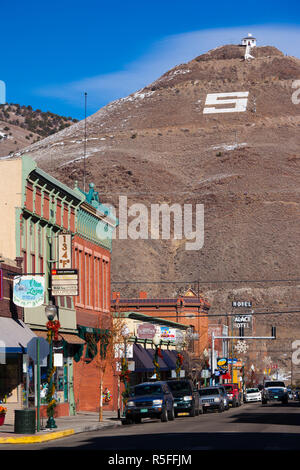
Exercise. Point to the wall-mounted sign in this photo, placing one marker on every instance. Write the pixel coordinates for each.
(65, 251)
(238, 303)
(146, 331)
(64, 282)
(28, 291)
(168, 334)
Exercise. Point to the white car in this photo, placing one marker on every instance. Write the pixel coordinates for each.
(252, 394)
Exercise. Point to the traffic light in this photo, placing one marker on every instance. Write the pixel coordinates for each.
(241, 331)
(273, 333)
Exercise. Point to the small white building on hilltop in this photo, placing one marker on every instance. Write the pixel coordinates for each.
(249, 41)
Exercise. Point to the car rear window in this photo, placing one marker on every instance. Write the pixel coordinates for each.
(209, 391)
(274, 384)
(179, 387)
(252, 390)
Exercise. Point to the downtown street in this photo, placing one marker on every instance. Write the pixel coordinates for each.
(250, 427)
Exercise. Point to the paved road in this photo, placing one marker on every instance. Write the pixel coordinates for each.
(252, 426)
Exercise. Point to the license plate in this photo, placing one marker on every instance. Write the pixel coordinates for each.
(144, 410)
(183, 414)
(206, 404)
(175, 404)
(275, 396)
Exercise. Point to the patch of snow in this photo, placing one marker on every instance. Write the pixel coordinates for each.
(230, 146)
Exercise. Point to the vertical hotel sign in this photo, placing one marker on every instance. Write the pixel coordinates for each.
(64, 251)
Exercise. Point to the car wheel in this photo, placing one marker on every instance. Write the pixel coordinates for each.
(171, 414)
(201, 410)
(126, 421)
(193, 412)
(164, 416)
(264, 402)
(234, 403)
(221, 408)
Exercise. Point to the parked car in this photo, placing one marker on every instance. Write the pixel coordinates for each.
(149, 400)
(252, 394)
(274, 391)
(234, 394)
(186, 397)
(226, 398)
(212, 398)
(297, 394)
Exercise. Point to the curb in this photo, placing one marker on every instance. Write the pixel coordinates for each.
(36, 439)
(56, 435)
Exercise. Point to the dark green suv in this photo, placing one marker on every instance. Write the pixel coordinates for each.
(186, 397)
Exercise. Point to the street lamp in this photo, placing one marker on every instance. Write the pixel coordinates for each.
(52, 327)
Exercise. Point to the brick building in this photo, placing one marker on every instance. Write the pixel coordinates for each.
(35, 208)
(185, 310)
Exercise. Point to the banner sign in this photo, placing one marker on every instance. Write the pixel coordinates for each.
(65, 251)
(28, 291)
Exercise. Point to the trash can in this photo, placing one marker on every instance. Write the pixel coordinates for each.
(25, 421)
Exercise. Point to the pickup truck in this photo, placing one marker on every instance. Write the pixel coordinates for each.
(274, 391)
(234, 394)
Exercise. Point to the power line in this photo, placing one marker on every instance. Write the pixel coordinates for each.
(224, 314)
(206, 282)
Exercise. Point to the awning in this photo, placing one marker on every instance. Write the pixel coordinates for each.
(162, 365)
(143, 362)
(14, 335)
(169, 358)
(68, 337)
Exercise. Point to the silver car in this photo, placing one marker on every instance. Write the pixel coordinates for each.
(213, 398)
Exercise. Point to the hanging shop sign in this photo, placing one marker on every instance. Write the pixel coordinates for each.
(65, 251)
(64, 282)
(222, 364)
(146, 331)
(28, 291)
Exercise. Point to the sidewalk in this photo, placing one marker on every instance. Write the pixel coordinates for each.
(66, 426)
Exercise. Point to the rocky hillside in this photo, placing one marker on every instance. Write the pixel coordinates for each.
(21, 126)
(164, 143)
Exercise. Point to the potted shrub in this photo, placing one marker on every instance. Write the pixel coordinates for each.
(3, 411)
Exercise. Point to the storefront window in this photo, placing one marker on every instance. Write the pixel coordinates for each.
(10, 380)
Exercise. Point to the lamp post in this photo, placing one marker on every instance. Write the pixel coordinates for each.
(156, 340)
(51, 312)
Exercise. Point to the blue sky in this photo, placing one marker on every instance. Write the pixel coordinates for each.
(52, 52)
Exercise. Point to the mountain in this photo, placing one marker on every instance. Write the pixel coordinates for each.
(164, 144)
(21, 126)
